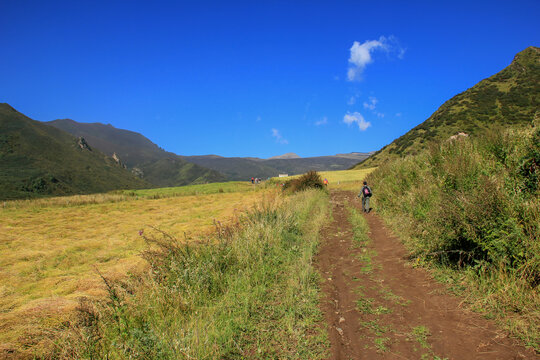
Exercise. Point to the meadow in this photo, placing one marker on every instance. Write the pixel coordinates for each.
(51, 250)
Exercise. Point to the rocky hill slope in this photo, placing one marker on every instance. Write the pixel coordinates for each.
(139, 154)
(38, 160)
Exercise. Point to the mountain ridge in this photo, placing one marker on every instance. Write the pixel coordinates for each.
(140, 154)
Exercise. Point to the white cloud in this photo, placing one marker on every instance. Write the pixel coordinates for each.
(279, 138)
(258, 119)
(356, 117)
(379, 115)
(352, 100)
(371, 104)
(398, 114)
(361, 54)
(323, 121)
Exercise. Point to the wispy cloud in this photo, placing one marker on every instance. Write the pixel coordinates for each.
(352, 100)
(323, 121)
(371, 103)
(356, 117)
(361, 54)
(258, 118)
(279, 139)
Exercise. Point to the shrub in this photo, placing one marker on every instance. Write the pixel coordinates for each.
(310, 180)
(473, 206)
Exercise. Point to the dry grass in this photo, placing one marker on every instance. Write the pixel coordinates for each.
(49, 252)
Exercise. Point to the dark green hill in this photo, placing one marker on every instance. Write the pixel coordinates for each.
(39, 160)
(140, 155)
(508, 98)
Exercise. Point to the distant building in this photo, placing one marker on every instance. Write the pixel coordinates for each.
(283, 175)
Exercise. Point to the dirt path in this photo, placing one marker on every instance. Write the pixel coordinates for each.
(379, 307)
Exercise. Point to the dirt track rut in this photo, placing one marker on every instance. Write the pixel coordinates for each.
(377, 306)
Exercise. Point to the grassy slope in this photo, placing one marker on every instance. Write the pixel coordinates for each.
(251, 292)
(471, 208)
(38, 160)
(509, 98)
(159, 167)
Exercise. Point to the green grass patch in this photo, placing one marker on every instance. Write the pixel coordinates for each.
(420, 334)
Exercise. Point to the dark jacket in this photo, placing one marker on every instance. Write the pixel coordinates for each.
(362, 191)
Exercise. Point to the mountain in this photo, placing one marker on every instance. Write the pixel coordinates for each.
(139, 154)
(239, 168)
(508, 98)
(285, 156)
(163, 168)
(39, 160)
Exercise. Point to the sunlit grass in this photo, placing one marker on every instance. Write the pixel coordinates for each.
(50, 248)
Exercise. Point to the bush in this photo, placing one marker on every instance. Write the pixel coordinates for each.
(473, 206)
(310, 180)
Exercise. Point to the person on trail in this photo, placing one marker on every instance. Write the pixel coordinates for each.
(252, 180)
(325, 182)
(366, 193)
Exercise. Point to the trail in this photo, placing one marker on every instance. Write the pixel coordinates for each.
(377, 306)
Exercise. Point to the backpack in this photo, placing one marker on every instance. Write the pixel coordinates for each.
(366, 191)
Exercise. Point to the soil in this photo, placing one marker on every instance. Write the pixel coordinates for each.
(378, 306)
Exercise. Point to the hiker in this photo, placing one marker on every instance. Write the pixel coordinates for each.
(252, 180)
(366, 194)
(325, 182)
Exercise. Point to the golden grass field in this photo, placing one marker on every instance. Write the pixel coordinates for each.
(50, 248)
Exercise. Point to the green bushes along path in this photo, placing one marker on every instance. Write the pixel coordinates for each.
(472, 207)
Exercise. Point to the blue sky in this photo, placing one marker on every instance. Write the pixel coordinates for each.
(255, 78)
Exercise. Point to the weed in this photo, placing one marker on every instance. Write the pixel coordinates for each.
(420, 334)
(381, 344)
(375, 327)
(365, 305)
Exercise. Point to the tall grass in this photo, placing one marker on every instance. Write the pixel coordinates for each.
(472, 207)
(250, 292)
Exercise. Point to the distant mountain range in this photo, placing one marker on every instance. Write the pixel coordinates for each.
(163, 168)
(239, 168)
(508, 98)
(39, 160)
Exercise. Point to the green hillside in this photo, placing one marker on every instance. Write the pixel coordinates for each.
(471, 209)
(508, 98)
(38, 160)
(139, 154)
